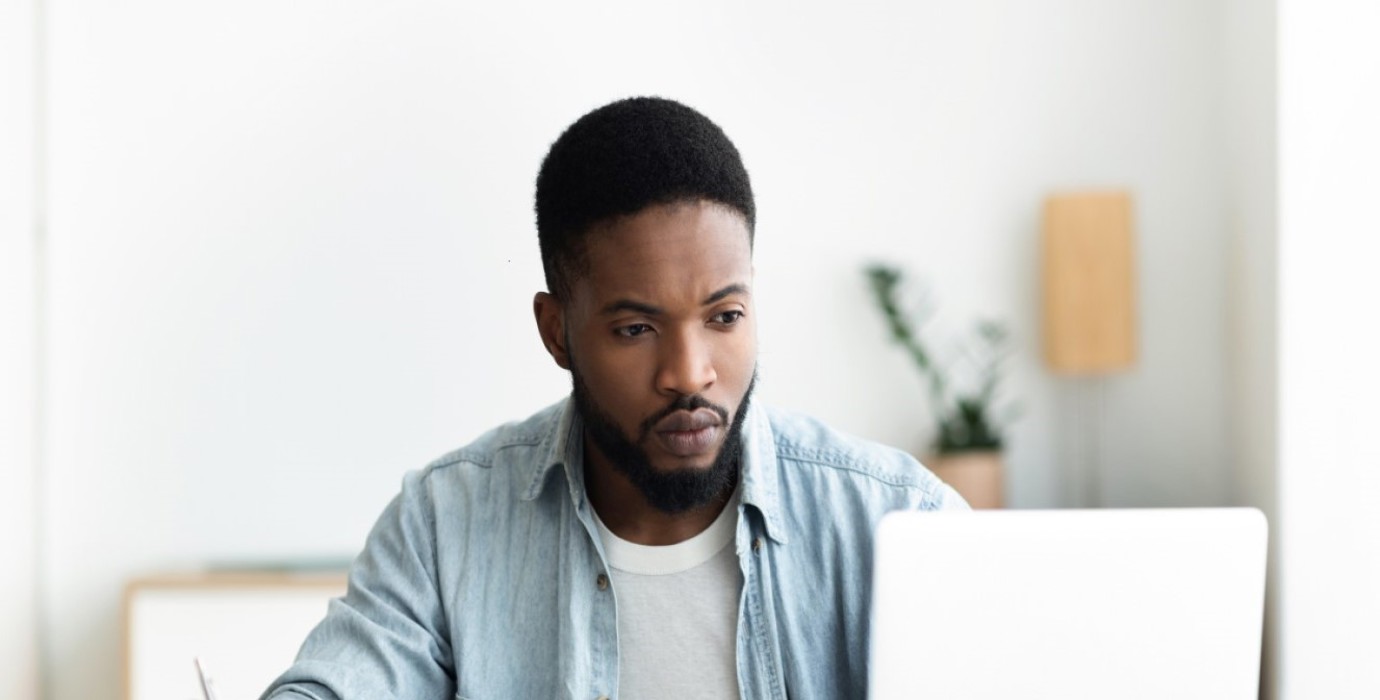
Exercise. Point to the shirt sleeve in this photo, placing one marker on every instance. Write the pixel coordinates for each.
(949, 499)
(388, 637)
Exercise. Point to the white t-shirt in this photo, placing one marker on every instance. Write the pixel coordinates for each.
(678, 613)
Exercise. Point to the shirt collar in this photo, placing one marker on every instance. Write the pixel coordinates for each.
(761, 471)
(560, 448)
(563, 447)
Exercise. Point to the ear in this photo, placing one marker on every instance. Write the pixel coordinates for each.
(550, 315)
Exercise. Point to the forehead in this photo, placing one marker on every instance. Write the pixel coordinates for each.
(669, 251)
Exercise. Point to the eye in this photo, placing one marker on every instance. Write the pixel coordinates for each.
(727, 318)
(632, 331)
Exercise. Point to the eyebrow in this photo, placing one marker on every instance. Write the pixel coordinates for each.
(621, 305)
(724, 293)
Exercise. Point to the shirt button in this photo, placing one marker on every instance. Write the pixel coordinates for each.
(603, 583)
(757, 544)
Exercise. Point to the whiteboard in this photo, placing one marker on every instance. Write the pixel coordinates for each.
(246, 627)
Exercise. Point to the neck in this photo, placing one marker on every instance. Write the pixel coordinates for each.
(626, 512)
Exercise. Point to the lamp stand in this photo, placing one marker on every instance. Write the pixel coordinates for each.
(1085, 400)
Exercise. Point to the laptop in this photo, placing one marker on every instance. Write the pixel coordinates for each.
(1145, 603)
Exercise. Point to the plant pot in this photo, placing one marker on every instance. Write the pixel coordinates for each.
(976, 475)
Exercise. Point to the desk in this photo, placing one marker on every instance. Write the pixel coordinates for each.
(246, 626)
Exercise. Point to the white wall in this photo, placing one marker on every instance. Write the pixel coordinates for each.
(948, 126)
(18, 265)
(1250, 97)
(292, 251)
(1329, 230)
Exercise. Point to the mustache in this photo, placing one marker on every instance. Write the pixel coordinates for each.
(683, 403)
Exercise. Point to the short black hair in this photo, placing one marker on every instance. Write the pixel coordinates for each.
(622, 158)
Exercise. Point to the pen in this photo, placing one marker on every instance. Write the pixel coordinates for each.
(206, 692)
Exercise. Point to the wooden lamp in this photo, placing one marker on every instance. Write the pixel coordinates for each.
(1089, 305)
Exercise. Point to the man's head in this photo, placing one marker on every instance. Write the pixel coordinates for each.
(621, 159)
(645, 216)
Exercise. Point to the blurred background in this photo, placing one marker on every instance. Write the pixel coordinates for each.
(259, 259)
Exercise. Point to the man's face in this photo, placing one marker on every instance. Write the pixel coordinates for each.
(661, 340)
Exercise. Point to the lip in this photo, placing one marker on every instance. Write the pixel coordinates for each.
(688, 443)
(689, 433)
(688, 421)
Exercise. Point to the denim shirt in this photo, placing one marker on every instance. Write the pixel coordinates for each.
(486, 578)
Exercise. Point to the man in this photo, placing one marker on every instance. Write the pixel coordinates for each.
(656, 535)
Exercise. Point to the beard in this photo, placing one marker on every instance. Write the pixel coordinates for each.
(669, 491)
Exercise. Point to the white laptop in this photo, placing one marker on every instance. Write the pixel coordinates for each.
(1147, 603)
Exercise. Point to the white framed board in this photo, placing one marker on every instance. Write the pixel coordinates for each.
(245, 626)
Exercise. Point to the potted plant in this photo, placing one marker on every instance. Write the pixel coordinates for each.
(963, 392)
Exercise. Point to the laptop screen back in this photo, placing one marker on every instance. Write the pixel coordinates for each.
(1149, 603)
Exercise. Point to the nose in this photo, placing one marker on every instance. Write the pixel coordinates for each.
(686, 365)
